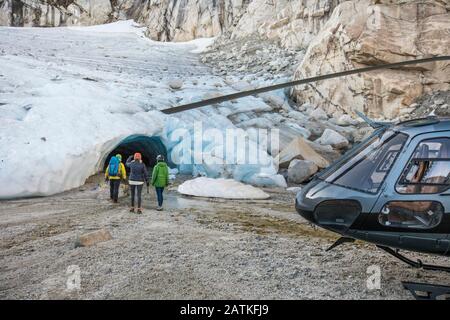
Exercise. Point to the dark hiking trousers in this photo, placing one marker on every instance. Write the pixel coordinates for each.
(136, 191)
(159, 195)
(114, 185)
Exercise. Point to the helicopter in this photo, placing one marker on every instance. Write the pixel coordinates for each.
(392, 189)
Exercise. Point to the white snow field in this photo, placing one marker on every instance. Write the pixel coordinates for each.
(69, 96)
(220, 188)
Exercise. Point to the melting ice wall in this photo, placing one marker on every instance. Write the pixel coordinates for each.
(46, 162)
(214, 147)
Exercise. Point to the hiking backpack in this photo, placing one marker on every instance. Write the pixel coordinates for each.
(113, 170)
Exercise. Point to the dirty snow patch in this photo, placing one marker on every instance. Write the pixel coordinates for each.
(127, 26)
(220, 188)
(201, 44)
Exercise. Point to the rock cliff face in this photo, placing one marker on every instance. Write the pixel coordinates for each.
(54, 13)
(167, 20)
(183, 20)
(336, 35)
(367, 32)
(292, 23)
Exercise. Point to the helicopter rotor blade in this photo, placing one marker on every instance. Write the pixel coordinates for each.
(237, 95)
(370, 122)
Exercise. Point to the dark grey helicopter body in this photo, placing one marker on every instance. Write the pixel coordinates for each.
(392, 190)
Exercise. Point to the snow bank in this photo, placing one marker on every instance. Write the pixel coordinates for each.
(220, 188)
(202, 44)
(61, 140)
(130, 26)
(126, 26)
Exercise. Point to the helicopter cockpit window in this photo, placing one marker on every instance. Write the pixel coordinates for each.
(369, 167)
(428, 171)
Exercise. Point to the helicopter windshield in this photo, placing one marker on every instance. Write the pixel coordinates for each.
(370, 165)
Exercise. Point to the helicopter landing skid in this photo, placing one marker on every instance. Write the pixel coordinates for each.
(425, 291)
(340, 241)
(415, 264)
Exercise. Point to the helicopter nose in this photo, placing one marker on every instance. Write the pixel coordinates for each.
(337, 215)
(331, 214)
(304, 211)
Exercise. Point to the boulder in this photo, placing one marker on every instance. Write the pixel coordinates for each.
(346, 120)
(176, 84)
(439, 101)
(296, 128)
(331, 137)
(326, 151)
(274, 101)
(362, 133)
(319, 114)
(299, 149)
(92, 238)
(301, 170)
(294, 190)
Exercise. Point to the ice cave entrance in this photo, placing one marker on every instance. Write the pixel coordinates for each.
(149, 147)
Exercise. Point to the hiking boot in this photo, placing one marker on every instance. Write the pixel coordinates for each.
(159, 208)
(132, 210)
(139, 211)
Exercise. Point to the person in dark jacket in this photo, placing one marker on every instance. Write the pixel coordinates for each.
(160, 179)
(138, 176)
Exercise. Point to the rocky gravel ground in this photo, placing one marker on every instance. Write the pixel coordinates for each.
(437, 103)
(252, 55)
(195, 248)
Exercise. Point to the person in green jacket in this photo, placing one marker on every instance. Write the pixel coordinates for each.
(160, 179)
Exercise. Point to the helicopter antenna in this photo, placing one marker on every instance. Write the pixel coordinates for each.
(237, 95)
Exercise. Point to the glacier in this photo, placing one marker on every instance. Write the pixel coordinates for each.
(69, 96)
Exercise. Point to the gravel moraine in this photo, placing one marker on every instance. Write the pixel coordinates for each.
(195, 249)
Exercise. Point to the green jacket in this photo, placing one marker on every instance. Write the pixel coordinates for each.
(160, 175)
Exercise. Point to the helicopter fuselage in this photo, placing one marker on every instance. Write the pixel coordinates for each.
(391, 190)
